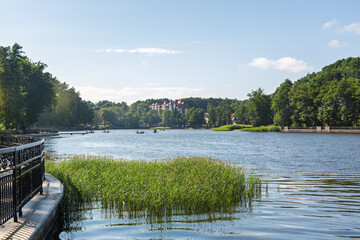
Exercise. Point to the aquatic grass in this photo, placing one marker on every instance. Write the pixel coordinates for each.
(182, 184)
(231, 127)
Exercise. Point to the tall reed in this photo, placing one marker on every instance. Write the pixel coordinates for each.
(187, 184)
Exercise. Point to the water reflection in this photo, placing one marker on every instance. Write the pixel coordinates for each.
(312, 189)
(298, 206)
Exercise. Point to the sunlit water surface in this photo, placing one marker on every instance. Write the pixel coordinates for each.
(313, 184)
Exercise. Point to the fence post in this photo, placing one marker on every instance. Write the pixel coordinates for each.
(42, 170)
(20, 182)
(15, 188)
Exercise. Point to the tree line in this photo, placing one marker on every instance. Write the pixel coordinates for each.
(30, 96)
(330, 97)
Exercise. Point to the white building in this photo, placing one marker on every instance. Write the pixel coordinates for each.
(172, 105)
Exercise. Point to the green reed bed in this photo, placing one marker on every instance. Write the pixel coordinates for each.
(231, 127)
(190, 184)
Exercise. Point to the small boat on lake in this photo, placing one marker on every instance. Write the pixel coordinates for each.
(106, 131)
(140, 132)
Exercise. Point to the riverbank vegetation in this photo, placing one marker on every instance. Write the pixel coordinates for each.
(247, 128)
(182, 184)
(231, 127)
(261, 129)
(29, 95)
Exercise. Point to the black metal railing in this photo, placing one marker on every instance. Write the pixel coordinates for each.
(22, 172)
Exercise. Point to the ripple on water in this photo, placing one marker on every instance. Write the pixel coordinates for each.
(313, 185)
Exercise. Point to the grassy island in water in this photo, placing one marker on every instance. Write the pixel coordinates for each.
(186, 184)
(247, 128)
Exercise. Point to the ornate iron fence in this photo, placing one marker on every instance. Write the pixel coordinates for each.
(22, 172)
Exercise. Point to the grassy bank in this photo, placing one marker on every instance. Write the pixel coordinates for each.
(247, 128)
(262, 129)
(231, 127)
(189, 184)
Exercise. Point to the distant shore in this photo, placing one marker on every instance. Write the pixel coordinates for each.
(320, 129)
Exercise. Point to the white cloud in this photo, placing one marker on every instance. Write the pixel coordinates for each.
(262, 63)
(110, 51)
(132, 94)
(336, 44)
(283, 64)
(329, 24)
(352, 28)
(145, 51)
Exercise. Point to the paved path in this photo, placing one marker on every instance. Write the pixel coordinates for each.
(39, 214)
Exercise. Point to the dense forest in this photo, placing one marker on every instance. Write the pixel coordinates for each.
(31, 97)
(28, 94)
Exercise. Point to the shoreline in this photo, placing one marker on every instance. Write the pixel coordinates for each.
(320, 129)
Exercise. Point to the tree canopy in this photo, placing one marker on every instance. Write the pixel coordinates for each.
(29, 95)
(26, 90)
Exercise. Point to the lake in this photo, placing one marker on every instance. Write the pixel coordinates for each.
(313, 184)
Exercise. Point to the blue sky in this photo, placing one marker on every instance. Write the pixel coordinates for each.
(134, 50)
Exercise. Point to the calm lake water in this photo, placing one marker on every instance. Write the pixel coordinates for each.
(313, 184)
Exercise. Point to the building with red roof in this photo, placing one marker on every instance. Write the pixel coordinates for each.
(172, 105)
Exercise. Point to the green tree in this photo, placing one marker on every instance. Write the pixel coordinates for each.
(69, 110)
(177, 119)
(153, 118)
(166, 119)
(108, 116)
(38, 91)
(12, 100)
(328, 97)
(223, 114)
(348, 93)
(303, 100)
(25, 89)
(242, 114)
(259, 107)
(281, 104)
(131, 120)
(195, 117)
(211, 111)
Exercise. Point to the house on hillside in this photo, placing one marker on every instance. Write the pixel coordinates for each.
(233, 118)
(172, 105)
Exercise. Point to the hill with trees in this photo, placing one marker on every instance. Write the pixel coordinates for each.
(30, 97)
(330, 97)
